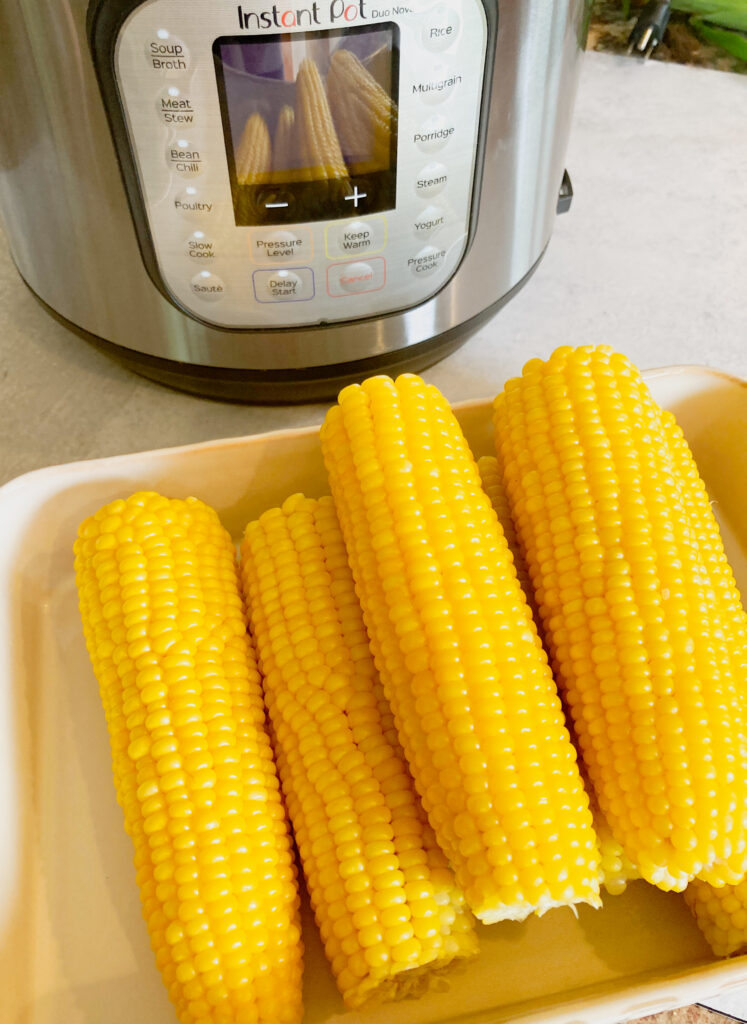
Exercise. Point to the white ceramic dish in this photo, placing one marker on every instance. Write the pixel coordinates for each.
(73, 947)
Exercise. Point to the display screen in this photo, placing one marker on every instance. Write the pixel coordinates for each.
(310, 123)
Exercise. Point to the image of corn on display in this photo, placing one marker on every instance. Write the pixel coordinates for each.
(450, 694)
(305, 118)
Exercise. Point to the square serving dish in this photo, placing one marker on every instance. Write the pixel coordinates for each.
(73, 946)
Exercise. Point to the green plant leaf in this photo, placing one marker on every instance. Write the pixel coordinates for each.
(733, 42)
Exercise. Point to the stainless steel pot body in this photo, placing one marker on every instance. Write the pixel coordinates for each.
(72, 235)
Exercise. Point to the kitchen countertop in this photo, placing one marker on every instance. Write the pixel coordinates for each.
(651, 259)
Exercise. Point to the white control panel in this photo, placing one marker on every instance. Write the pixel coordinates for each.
(245, 236)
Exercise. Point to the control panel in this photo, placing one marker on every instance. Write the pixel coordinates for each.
(301, 162)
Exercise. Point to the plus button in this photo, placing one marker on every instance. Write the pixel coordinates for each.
(356, 195)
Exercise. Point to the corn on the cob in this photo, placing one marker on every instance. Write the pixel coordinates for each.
(638, 608)
(285, 150)
(193, 769)
(615, 868)
(384, 898)
(721, 914)
(474, 702)
(254, 153)
(320, 150)
(365, 115)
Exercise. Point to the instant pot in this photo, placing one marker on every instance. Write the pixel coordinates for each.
(265, 200)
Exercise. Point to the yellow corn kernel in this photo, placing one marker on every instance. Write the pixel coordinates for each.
(638, 608)
(319, 144)
(476, 708)
(192, 762)
(254, 153)
(385, 900)
(364, 113)
(492, 484)
(721, 914)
